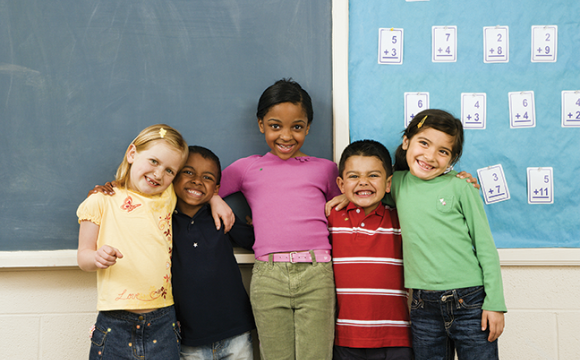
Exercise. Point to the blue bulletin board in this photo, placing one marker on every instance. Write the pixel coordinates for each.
(377, 108)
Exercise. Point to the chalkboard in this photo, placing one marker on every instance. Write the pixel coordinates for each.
(377, 99)
(79, 79)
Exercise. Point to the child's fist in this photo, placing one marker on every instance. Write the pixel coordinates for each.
(107, 256)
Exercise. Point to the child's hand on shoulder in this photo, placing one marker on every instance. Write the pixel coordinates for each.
(107, 256)
(339, 202)
(470, 179)
(106, 189)
(495, 320)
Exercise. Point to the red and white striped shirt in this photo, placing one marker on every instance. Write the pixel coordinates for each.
(368, 270)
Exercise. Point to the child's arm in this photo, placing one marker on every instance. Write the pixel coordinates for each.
(221, 210)
(492, 317)
(242, 234)
(88, 257)
(496, 324)
(341, 201)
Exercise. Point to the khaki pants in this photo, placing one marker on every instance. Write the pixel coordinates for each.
(294, 308)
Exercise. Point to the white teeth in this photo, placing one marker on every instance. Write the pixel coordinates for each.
(194, 192)
(151, 181)
(425, 165)
(364, 193)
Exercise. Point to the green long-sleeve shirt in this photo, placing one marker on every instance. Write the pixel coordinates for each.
(447, 242)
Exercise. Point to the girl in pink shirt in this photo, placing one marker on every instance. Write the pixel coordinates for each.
(292, 289)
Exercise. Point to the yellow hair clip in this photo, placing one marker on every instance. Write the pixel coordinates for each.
(162, 132)
(422, 121)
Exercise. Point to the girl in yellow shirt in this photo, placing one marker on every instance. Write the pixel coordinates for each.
(126, 239)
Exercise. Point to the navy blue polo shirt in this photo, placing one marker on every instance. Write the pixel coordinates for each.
(210, 298)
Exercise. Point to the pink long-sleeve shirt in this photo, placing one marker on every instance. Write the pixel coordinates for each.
(287, 199)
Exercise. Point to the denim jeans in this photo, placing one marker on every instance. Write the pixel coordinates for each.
(294, 306)
(124, 335)
(443, 322)
(238, 347)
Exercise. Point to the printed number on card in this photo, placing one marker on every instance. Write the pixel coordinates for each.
(391, 46)
(473, 110)
(415, 102)
(444, 43)
(522, 109)
(544, 43)
(493, 184)
(540, 185)
(496, 44)
(571, 108)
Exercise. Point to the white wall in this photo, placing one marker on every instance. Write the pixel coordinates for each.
(543, 319)
(46, 314)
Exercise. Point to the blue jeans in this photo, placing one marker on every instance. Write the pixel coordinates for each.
(124, 335)
(443, 322)
(238, 347)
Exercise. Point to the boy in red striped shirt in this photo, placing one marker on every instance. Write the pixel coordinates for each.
(373, 315)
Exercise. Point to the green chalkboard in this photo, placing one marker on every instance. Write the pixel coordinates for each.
(79, 79)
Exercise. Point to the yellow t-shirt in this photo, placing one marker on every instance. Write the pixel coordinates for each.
(140, 227)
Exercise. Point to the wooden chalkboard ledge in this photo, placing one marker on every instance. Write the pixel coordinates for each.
(540, 257)
(58, 259)
(35, 260)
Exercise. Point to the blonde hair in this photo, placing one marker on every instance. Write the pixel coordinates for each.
(146, 139)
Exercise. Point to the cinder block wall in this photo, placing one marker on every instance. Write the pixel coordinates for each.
(46, 314)
(543, 319)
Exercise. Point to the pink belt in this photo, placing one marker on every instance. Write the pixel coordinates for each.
(298, 256)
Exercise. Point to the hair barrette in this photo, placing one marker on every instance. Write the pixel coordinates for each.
(422, 121)
(162, 132)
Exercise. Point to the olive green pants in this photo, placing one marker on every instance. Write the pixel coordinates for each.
(294, 308)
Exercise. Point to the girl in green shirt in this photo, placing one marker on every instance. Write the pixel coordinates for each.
(449, 255)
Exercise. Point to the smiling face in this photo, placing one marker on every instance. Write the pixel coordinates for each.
(195, 184)
(153, 169)
(364, 181)
(429, 153)
(285, 126)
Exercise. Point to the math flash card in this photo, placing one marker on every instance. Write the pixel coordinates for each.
(544, 43)
(493, 184)
(496, 44)
(522, 109)
(473, 110)
(415, 102)
(540, 185)
(444, 43)
(391, 46)
(571, 108)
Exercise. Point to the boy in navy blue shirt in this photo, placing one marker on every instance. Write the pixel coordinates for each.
(212, 305)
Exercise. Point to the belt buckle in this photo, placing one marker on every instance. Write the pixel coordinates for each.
(291, 258)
